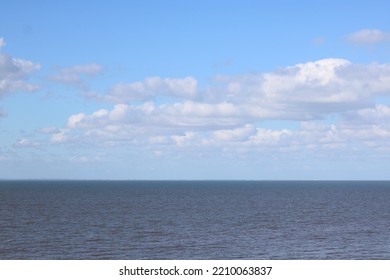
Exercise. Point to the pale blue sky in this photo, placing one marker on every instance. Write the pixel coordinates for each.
(195, 89)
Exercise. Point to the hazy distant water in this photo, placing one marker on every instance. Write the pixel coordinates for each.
(194, 220)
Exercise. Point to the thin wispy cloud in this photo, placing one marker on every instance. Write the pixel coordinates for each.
(368, 37)
(76, 75)
(151, 87)
(2, 42)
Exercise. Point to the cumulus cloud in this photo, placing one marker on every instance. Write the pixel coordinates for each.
(13, 74)
(182, 140)
(59, 136)
(186, 114)
(75, 75)
(376, 115)
(228, 114)
(379, 114)
(368, 36)
(301, 92)
(269, 136)
(235, 134)
(307, 91)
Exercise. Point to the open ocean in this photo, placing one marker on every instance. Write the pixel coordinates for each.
(194, 220)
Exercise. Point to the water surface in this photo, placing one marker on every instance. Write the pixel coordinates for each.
(194, 220)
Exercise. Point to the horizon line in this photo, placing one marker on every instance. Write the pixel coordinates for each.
(161, 180)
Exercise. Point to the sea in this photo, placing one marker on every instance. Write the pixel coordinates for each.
(131, 220)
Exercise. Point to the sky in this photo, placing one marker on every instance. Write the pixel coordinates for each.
(246, 90)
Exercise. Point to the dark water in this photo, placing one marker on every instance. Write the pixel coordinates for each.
(194, 220)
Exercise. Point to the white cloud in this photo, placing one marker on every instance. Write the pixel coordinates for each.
(13, 74)
(152, 87)
(307, 91)
(301, 92)
(227, 116)
(74, 120)
(269, 136)
(378, 116)
(59, 136)
(236, 134)
(181, 140)
(75, 75)
(316, 82)
(369, 36)
(375, 115)
(118, 114)
(186, 114)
